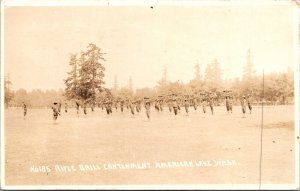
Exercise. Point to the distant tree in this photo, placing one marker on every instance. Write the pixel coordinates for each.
(116, 83)
(213, 76)
(130, 85)
(197, 72)
(21, 96)
(71, 90)
(145, 92)
(90, 80)
(248, 85)
(8, 94)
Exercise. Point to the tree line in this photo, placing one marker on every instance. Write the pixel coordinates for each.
(85, 84)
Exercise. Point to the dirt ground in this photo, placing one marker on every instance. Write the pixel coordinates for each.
(219, 148)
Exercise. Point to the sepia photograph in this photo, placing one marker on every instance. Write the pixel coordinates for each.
(150, 95)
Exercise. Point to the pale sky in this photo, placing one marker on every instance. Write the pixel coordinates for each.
(140, 41)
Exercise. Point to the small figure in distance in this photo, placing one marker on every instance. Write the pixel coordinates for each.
(243, 103)
(25, 110)
(55, 111)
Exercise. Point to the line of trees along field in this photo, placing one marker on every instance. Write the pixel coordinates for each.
(85, 83)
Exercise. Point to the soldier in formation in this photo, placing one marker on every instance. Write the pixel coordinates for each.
(147, 106)
(244, 105)
(66, 107)
(186, 104)
(249, 103)
(175, 104)
(77, 108)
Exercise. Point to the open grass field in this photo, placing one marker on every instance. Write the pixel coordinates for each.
(121, 149)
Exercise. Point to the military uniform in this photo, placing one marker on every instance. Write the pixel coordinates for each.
(175, 106)
(131, 106)
(249, 104)
(160, 103)
(204, 104)
(147, 107)
(84, 109)
(186, 105)
(194, 102)
(211, 105)
(25, 110)
(170, 104)
(227, 104)
(55, 111)
(66, 107)
(122, 105)
(244, 103)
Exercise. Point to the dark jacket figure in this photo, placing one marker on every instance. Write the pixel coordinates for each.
(55, 111)
(108, 106)
(228, 103)
(25, 109)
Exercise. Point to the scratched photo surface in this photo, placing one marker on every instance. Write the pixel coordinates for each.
(149, 95)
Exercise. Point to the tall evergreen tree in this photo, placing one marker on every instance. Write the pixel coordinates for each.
(90, 71)
(72, 81)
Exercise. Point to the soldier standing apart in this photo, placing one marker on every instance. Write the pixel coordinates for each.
(25, 110)
(249, 103)
(244, 102)
(55, 111)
